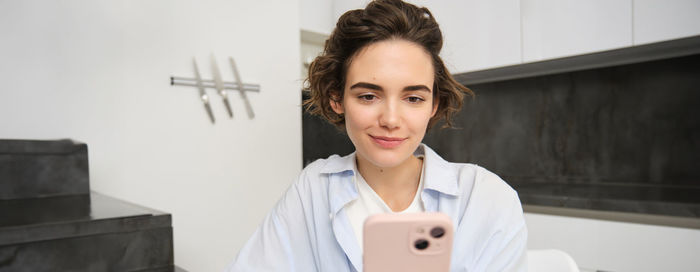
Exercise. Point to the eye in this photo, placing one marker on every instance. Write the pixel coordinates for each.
(415, 99)
(367, 97)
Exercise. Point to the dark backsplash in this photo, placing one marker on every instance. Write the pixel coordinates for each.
(636, 123)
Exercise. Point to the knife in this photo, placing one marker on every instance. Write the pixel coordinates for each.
(202, 94)
(241, 91)
(219, 85)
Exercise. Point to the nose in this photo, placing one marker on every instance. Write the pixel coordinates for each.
(390, 116)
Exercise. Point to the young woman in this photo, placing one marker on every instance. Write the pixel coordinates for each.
(381, 80)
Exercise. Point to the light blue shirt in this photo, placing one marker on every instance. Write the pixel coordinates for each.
(308, 229)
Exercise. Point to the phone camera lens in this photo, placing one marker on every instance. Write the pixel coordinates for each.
(437, 232)
(421, 244)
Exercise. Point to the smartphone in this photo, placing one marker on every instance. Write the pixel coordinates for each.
(407, 242)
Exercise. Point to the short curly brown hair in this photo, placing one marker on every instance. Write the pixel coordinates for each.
(380, 20)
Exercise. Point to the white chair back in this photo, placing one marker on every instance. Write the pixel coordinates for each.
(550, 260)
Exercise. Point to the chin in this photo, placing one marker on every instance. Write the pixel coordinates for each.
(387, 158)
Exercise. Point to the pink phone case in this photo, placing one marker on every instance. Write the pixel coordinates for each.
(408, 242)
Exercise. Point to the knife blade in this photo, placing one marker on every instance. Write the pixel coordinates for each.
(241, 91)
(202, 93)
(219, 85)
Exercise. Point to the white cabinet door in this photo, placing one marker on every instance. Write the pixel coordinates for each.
(559, 28)
(659, 20)
(478, 34)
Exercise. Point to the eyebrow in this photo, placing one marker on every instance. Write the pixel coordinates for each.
(379, 88)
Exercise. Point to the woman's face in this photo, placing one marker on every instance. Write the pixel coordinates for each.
(388, 101)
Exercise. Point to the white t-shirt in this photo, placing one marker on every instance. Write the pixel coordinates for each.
(369, 202)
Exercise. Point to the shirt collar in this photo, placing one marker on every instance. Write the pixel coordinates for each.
(341, 189)
(440, 175)
(339, 164)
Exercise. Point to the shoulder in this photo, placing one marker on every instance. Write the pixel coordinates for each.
(309, 187)
(314, 168)
(491, 220)
(486, 182)
(470, 178)
(317, 173)
(469, 187)
(333, 163)
(488, 196)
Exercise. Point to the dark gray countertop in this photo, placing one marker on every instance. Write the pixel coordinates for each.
(640, 203)
(625, 217)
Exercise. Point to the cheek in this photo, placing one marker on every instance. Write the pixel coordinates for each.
(358, 117)
(420, 118)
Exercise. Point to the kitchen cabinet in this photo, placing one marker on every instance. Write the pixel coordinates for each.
(478, 34)
(560, 28)
(660, 20)
(489, 34)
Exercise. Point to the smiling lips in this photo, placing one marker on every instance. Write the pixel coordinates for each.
(387, 142)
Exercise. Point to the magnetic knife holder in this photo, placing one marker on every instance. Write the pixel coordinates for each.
(220, 86)
(208, 83)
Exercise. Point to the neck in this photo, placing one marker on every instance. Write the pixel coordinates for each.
(395, 185)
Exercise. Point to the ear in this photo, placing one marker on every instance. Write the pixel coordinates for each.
(337, 106)
(435, 108)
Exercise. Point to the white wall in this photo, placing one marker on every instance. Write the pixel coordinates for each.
(98, 72)
(316, 16)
